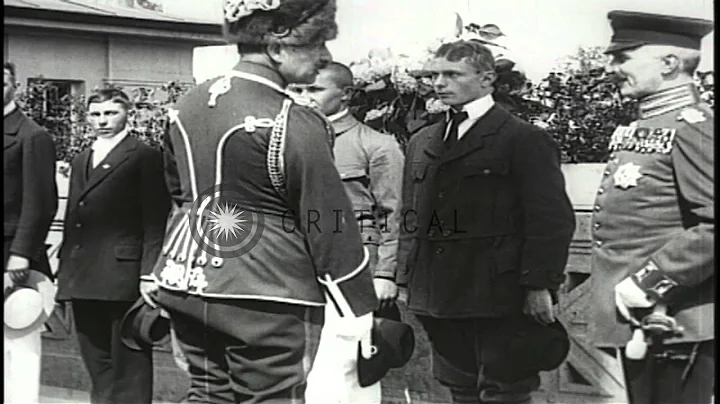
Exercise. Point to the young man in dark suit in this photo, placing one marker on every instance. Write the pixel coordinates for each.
(114, 224)
(30, 195)
(487, 224)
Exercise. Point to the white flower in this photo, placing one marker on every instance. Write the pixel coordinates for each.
(404, 82)
(539, 123)
(376, 113)
(435, 106)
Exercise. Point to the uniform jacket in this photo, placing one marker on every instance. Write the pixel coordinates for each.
(655, 205)
(484, 220)
(29, 189)
(371, 165)
(271, 160)
(114, 223)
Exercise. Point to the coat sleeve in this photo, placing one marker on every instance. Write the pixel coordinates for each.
(386, 173)
(547, 214)
(155, 208)
(325, 214)
(688, 259)
(39, 195)
(408, 216)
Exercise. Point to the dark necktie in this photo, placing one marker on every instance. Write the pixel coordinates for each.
(455, 122)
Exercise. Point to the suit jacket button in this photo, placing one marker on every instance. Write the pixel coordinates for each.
(598, 243)
(77, 247)
(81, 203)
(525, 272)
(439, 250)
(597, 208)
(601, 191)
(596, 226)
(78, 225)
(441, 195)
(446, 233)
(486, 171)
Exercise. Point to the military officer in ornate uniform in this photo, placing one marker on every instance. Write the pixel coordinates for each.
(263, 231)
(653, 226)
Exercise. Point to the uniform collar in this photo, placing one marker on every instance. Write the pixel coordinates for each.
(668, 100)
(343, 121)
(9, 108)
(260, 74)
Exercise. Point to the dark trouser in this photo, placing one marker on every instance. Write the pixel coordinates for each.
(244, 351)
(457, 362)
(118, 373)
(687, 376)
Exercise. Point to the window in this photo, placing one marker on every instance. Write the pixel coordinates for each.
(54, 93)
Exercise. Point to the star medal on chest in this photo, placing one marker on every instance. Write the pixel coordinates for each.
(627, 175)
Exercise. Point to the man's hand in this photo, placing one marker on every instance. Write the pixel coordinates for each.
(18, 268)
(538, 305)
(386, 291)
(147, 290)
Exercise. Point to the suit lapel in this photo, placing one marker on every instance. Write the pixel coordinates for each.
(474, 139)
(112, 161)
(435, 144)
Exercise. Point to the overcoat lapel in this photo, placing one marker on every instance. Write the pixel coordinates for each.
(112, 161)
(11, 126)
(474, 139)
(435, 145)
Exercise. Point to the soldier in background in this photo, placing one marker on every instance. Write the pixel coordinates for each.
(263, 230)
(653, 227)
(370, 164)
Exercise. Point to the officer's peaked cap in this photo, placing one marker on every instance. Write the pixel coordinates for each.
(634, 29)
(291, 22)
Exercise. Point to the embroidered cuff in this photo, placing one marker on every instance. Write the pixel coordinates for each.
(655, 284)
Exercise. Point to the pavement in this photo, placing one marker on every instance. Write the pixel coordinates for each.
(53, 395)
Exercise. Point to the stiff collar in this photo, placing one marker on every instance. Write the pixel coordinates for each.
(477, 108)
(668, 100)
(334, 117)
(9, 108)
(343, 122)
(106, 144)
(259, 74)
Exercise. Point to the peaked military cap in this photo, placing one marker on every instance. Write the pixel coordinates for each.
(290, 22)
(634, 29)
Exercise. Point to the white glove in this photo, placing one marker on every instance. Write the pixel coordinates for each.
(628, 295)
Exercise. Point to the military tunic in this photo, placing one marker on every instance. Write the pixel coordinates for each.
(272, 158)
(654, 213)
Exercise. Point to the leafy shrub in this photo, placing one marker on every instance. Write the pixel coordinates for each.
(65, 117)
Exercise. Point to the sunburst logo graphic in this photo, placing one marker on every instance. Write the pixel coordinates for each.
(226, 220)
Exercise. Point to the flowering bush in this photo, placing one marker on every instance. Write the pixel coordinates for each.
(65, 118)
(393, 95)
(576, 103)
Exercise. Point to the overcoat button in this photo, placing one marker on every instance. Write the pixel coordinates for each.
(439, 250)
(601, 191)
(446, 233)
(596, 226)
(597, 208)
(486, 171)
(599, 243)
(78, 225)
(81, 203)
(606, 173)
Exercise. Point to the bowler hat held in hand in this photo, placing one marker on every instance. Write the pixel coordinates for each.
(521, 347)
(144, 326)
(393, 343)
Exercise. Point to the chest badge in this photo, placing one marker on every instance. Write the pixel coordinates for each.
(692, 115)
(627, 175)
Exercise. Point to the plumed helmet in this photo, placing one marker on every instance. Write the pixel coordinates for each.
(289, 22)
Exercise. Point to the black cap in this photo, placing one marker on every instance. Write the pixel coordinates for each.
(633, 29)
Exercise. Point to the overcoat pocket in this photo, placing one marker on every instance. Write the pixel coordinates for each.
(128, 252)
